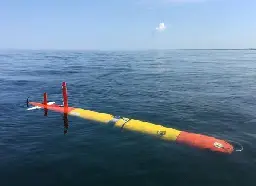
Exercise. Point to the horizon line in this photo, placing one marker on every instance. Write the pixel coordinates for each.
(27, 49)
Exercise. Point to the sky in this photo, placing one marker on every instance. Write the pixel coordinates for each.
(127, 24)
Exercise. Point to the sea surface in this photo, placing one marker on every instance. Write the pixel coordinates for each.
(211, 92)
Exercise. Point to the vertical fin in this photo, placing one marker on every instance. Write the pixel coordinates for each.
(45, 98)
(65, 95)
(65, 104)
(45, 104)
(27, 102)
(65, 118)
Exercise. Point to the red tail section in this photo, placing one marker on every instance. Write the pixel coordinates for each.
(53, 106)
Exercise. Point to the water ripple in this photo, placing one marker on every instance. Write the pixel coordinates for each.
(205, 91)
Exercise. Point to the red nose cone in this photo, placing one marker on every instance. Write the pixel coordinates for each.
(205, 142)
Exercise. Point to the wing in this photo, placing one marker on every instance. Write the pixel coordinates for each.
(53, 107)
(38, 107)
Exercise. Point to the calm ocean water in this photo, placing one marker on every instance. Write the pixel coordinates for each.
(205, 91)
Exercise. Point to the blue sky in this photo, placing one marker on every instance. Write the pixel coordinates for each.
(127, 24)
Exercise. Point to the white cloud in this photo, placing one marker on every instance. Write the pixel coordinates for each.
(161, 27)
